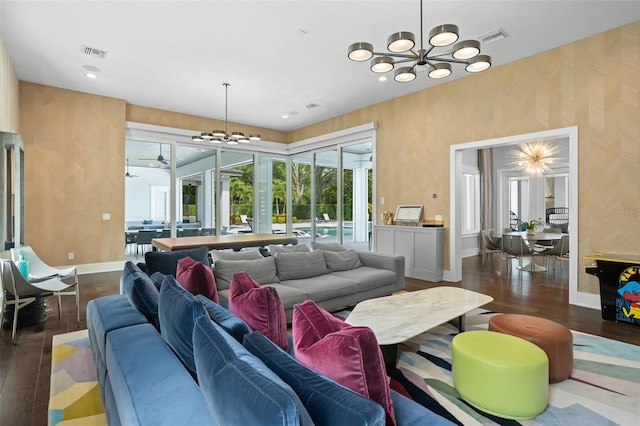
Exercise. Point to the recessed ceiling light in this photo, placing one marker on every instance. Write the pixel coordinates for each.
(382, 78)
(285, 116)
(91, 75)
(91, 68)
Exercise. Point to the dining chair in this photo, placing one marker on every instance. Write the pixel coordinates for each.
(514, 246)
(40, 271)
(19, 292)
(557, 253)
(208, 232)
(144, 239)
(490, 245)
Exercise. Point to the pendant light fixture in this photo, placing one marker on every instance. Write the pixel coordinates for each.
(223, 136)
(535, 158)
(401, 51)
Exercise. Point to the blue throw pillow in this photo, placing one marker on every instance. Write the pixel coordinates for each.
(225, 319)
(327, 401)
(251, 394)
(140, 291)
(157, 279)
(178, 310)
(166, 262)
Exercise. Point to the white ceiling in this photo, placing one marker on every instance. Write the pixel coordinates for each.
(278, 56)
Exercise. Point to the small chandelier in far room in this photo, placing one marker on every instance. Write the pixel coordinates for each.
(535, 158)
(401, 46)
(219, 136)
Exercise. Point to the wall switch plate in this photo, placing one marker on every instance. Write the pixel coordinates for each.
(106, 216)
(381, 200)
(71, 256)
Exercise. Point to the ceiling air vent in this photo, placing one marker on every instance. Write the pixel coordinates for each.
(311, 106)
(95, 53)
(493, 36)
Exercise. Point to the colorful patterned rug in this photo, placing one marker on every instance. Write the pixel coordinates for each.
(75, 396)
(604, 388)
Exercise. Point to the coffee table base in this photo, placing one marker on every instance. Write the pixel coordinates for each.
(390, 354)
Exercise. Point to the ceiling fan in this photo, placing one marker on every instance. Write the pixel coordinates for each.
(160, 158)
(129, 175)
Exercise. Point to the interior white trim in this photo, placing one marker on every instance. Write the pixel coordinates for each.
(455, 163)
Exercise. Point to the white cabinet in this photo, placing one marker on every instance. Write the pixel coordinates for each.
(421, 247)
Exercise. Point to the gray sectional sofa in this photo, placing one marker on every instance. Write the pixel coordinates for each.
(330, 275)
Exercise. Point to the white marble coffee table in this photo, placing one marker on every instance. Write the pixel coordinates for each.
(397, 318)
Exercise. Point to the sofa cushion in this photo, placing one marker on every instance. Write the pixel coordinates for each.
(348, 354)
(341, 261)
(251, 394)
(368, 278)
(157, 278)
(263, 271)
(166, 262)
(148, 384)
(141, 292)
(327, 246)
(327, 401)
(246, 254)
(295, 266)
(279, 248)
(196, 278)
(260, 307)
(178, 310)
(324, 287)
(289, 295)
(225, 319)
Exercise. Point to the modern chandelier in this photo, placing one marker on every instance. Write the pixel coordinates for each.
(535, 158)
(401, 46)
(223, 136)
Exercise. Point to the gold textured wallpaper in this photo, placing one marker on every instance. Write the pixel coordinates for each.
(75, 145)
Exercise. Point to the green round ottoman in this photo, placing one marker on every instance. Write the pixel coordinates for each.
(500, 374)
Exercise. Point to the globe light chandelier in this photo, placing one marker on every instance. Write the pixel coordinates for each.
(401, 47)
(223, 136)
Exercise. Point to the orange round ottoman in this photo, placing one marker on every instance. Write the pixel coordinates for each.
(555, 339)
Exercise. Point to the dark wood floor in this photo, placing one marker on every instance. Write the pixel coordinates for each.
(25, 367)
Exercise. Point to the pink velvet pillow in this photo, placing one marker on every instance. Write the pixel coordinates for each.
(348, 354)
(196, 278)
(260, 307)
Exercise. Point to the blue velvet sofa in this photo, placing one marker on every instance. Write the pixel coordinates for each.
(195, 363)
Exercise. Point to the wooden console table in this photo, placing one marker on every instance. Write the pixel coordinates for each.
(219, 242)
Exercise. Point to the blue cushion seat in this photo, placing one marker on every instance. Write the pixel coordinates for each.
(266, 399)
(156, 382)
(167, 262)
(140, 291)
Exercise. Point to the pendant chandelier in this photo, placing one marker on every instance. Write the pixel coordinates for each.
(535, 158)
(401, 46)
(223, 136)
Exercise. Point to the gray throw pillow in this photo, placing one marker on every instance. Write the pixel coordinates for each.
(341, 261)
(263, 271)
(296, 266)
(327, 246)
(251, 254)
(298, 248)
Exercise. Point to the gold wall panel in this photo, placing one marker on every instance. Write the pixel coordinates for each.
(160, 117)
(593, 83)
(74, 172)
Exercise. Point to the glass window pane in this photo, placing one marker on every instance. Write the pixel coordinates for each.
(236, 198)
(357, 195)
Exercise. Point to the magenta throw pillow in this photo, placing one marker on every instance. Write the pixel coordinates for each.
(348, 354)
(260, 307)
(196, 278)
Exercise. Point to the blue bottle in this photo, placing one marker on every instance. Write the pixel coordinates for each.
(23, 266)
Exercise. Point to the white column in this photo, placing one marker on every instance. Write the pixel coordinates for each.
(225, 201)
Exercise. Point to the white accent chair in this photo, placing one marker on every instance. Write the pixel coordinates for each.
(23, 292)
(40, 271)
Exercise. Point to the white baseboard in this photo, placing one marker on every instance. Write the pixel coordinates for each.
(586, 300)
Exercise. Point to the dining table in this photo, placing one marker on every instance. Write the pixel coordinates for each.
(533, 238)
